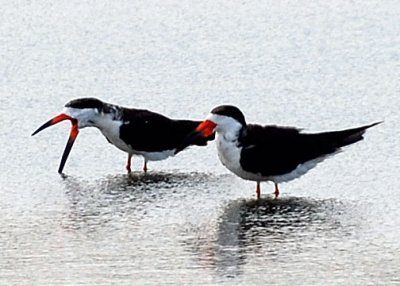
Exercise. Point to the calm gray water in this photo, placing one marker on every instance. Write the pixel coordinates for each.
(318, 65)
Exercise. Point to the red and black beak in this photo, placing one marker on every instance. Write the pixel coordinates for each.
(204, 130)
(72, 135)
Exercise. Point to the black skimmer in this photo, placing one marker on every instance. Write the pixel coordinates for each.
(135, 131)
(269, 153)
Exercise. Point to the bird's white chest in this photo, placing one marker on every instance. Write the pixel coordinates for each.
(229, 154)
(110, 130)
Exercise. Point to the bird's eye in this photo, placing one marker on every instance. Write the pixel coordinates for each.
(91, 121)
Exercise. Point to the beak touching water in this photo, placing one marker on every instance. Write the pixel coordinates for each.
(72, 135)
(204, 130)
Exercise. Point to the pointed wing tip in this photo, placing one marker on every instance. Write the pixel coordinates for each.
(371, 125)
(376, 123)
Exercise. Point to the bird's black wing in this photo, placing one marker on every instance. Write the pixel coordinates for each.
(272, 150)
(152, 132)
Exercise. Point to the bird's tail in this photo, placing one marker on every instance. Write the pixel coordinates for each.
(346, 137)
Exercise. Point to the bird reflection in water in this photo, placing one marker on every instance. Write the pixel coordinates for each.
(118, 201)
(267, 228)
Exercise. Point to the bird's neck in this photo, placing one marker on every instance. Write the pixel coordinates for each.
(229, 130)
(108, 120)
(107, 123)
(229, 135)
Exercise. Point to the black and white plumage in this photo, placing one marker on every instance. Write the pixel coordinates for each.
(269, 153)
(135, 131)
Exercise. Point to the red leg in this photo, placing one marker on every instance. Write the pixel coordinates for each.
(276, 191)
(145, 166)
(128, 164)
(258, 190)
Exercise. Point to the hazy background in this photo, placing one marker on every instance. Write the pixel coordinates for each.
(317, 65)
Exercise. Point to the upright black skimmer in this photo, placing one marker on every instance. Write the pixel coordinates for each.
(135, 131)
(269, 153)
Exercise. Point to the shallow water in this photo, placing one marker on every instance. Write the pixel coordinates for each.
(318, 66)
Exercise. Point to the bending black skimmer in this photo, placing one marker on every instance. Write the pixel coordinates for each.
(135, 131)
(269, 153)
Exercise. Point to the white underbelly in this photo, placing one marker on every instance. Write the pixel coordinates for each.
(156, 156)
(149, 156)
(300, 170)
